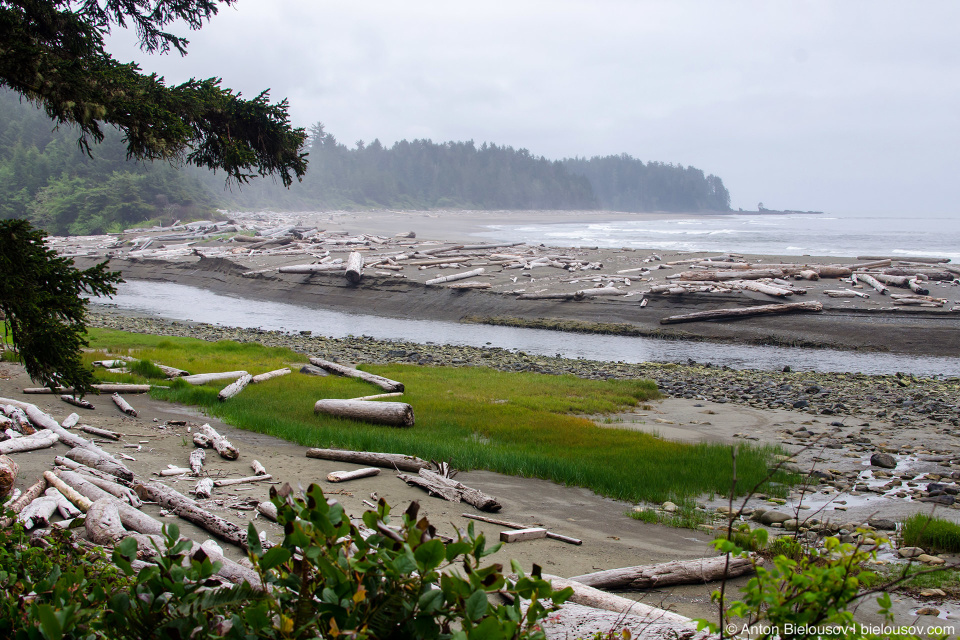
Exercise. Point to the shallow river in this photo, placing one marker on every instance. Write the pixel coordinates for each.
(182, 302)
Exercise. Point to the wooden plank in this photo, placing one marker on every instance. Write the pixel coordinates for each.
(519, 535)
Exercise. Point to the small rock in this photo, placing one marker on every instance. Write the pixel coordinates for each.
(669, 507)
(883, 460)
(774, 517)
(927, 611)
(926, 558)
(883, 524)
(932, 593)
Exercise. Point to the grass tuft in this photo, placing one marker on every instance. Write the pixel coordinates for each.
(931, 533)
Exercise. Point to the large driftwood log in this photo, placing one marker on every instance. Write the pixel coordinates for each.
(597, 292)
(73, 465)
(103, 524)
(202, 441)
(354, 267)
(744, 312)
(197, 456)
(311, 268)
(8, 475)
(220, 444)
(81, 501)
(698, 571)
(597, 599)
(232, 571)
(761, 287)
(66, 508)
(384, 383)
(731, 274)
(394, 414)
(832, 271)
(547, 296)
(269, 375)
(204, 378)
(268, 510)
(39, 440)
(172, 372)
(455, 276)
(233, 389)
(132, 518)
(32, 493)
(123, 405)
(190, 510)
(578, 621)
(871, 281)
(114, 489)
(105, 463)
(38, 512)
(396, 461)
(258, 468)
(451, 490)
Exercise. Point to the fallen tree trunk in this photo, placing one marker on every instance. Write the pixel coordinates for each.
(767, 289)
(578, 621)
(73, 465)
(871, 281)
(232, 481)
(123, 405)
(379, 396)
(455, 276)
(597, 292)
(66, 508)
(311, 268)
(354, 267)
(103, 524)
(732, 274)
(220, 444)
(197, 456)
(103, 462)
(258, 468)
(103, 433)
(745, 312)
(77, 402)
(394, 414)
(263, 377)
(384, 383)
(345, 476)
(451, 490)
(190, 510)
(233, 389)
(832, 271)
(396, 461)
(82, 502)
(39, 440)
(28, 496)
(232, 571)
(172, 372)
(37, 513)
(591, 597)
(699, 571)
(132, 518)
(204, 378)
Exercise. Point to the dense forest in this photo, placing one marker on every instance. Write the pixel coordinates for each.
(47, 178)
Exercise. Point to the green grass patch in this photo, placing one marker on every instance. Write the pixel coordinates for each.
(522, 424)
(931, 533)
(685, 517)
(146, 369)
(920, 577)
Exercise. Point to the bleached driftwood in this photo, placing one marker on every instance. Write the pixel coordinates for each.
(103, 433)
(871, 281)
(132, 518)
(311, 268)
(113, 387)
(103, 523)
(73, 465)
(202, 441)
(220, 444)
(197, 456)
(744, 312)
(70, 421)
(66, 508)
(469, 285)
(77, 402)
(268, 510)
(344, 476)
(354, 267)
(386, 460)
(39, 440)
(591, 597)
(578, 621)
(232, 481)
(37, 513)
(380, 396)
(103, 462)
(204, 488)
(263, 377)
(18, 504)
(394, 414)
(172, 372)
(515, 525)
(761, 287)
(455, 276)
(451, 490)
(82, 502)
(698, 571)
(232, 571)
(189, 510)
(258, 469)
(233, 389)
(384, 383)
(598, 292)
(173, 470)
(204, 378)
(123, 405)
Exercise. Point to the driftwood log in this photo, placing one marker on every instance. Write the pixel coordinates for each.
(202, 441)
(132, 518)
(354, 267)
(204, 488)
(871, 281)
(384, 383)
(455, 276)
(103, 462)
(311, 268)
(123, 493)
(269, 375)
(103, 433)
(268, 510)
(81, 501)
(115, 387)
(77, 402)
(396, 461)
(197, 456)
(258, 468)
(65, 507)
(699, 571)
(451, 490)
(103, 523)
(190, 510)
(32, 493)
(73, 465)
(39, 440)
(744, 312)
(232, 571)
(232, 481)
(515, 525)
(578, 621)
(8, 475)
(204, 378)
(380, 396)
(38, 512)
(220, 444)
(172, 372)
(394, 414)
(123, 405)
(597, 599)
(344, 476)
(234, 388)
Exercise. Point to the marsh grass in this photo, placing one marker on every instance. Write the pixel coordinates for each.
(931, 533)
(684, 517)
(522, 424)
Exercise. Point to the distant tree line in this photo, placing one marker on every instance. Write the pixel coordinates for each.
(48, 179)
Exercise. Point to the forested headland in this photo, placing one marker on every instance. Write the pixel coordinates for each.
(46, 178)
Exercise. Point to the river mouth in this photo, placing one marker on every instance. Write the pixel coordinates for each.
(192, 304)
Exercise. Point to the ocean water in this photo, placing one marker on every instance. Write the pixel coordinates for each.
(927, 235)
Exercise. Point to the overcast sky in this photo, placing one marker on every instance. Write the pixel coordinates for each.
(843, 106)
